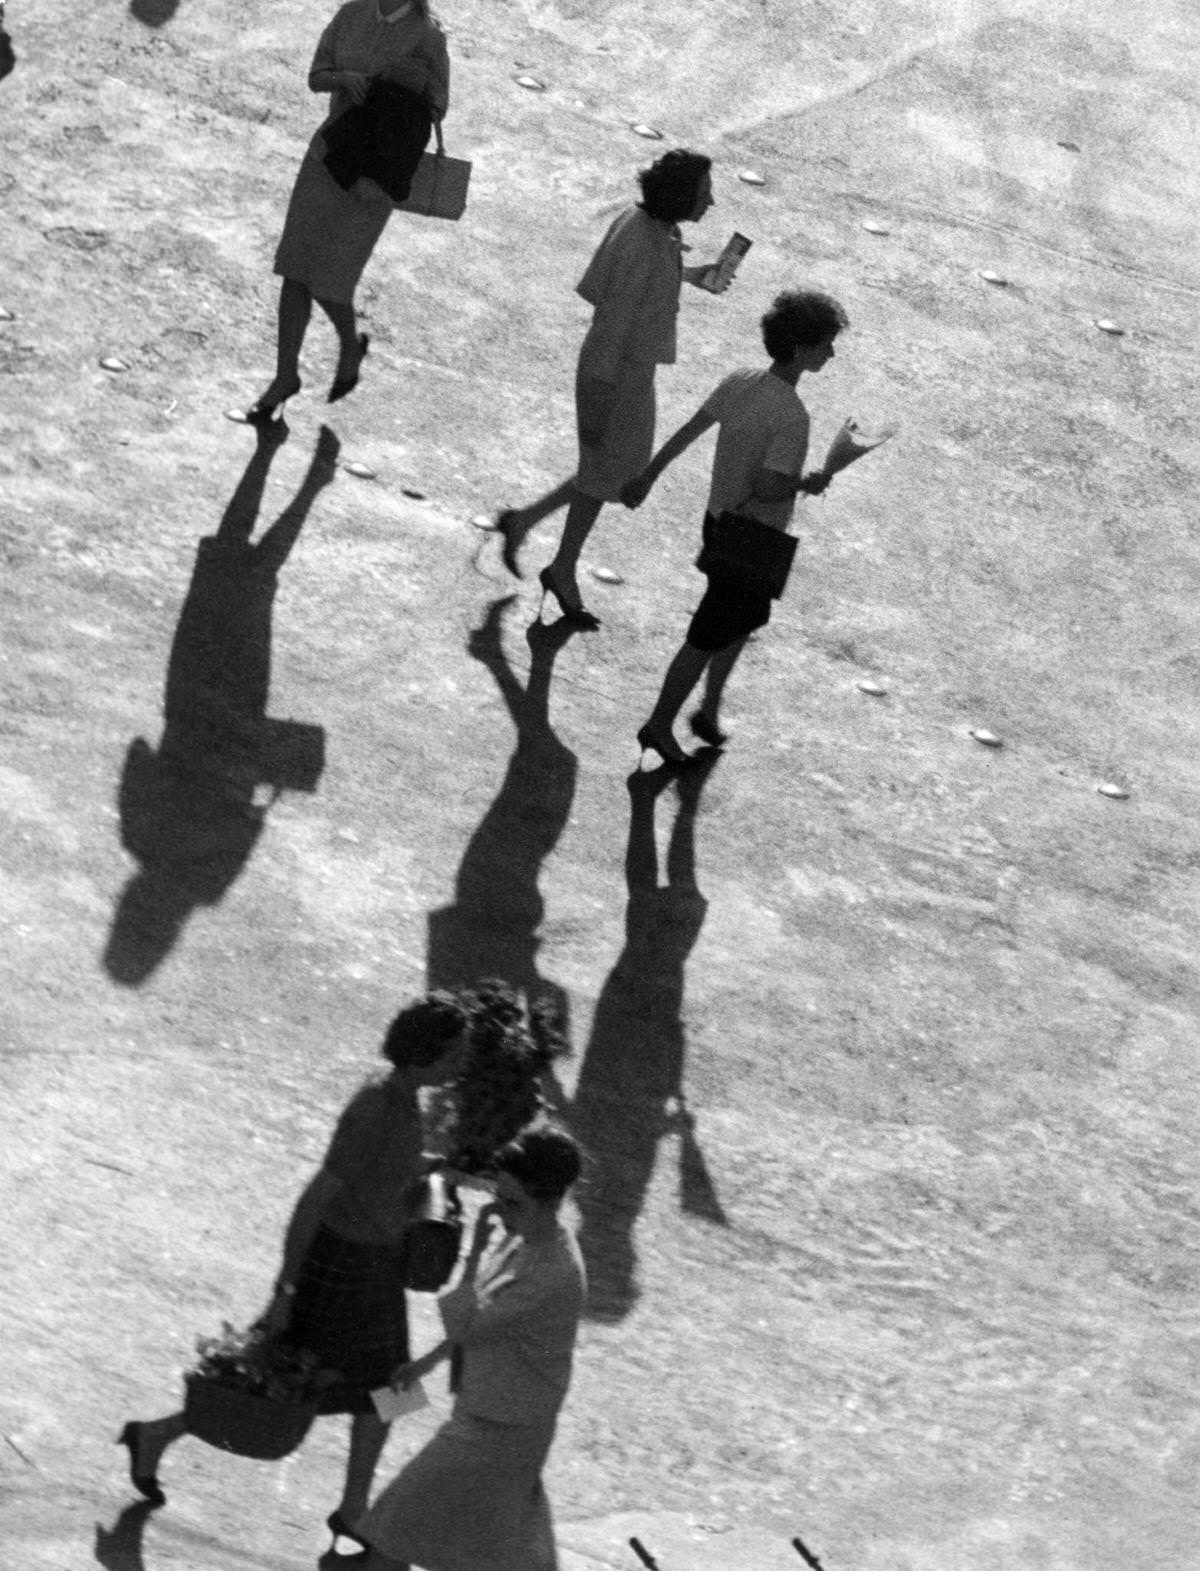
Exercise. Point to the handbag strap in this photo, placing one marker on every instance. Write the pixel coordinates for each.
(441, 146)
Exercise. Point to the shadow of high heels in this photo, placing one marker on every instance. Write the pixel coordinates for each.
(119, 1548)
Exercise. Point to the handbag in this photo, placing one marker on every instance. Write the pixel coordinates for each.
(439, 187)
(747, 553)
(433, 1238)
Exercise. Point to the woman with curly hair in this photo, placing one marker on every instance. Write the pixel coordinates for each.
(758, 472)
(340, 1290)
(387, 57)
(473, 1497)
(633, 283)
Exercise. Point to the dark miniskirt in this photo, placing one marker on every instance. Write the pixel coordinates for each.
(350, 1310)
(729, 611)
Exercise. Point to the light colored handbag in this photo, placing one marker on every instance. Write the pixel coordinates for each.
(439, 187)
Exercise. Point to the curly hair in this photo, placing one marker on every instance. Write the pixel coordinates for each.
(801, 319)
(424, 1031)
(671, 185)
(545, 1161)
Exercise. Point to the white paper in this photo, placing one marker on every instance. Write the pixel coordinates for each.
(392, 1403)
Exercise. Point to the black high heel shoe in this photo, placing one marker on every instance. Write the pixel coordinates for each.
(651, 739)
(578, 614)
(707, 730)
(346, 384)
(264, 413)
(340, 1528)
(507, 530)
(146, 1484)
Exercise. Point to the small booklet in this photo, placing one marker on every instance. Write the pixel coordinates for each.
(391, 1402)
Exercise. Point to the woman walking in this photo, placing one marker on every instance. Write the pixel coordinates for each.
(473, 1499)
(757, 474)
(340, 1290)
(386, 60)
(633, 283)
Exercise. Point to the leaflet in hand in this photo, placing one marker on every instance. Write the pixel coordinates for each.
(393, 1402)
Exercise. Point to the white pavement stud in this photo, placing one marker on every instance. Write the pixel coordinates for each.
(987, 738)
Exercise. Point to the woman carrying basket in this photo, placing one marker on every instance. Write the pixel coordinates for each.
(386, 60)
(340, 1291)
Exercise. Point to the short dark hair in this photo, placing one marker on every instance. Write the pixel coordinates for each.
(671, 185)
(801, 319)
(544, 1160)
(424, 1031)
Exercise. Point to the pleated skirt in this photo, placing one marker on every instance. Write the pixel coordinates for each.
(350, 1310)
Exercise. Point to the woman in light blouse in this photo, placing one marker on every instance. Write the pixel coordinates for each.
(632, 283)
(473, 1497)
(330, 232)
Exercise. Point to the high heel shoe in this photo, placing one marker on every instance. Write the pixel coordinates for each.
(340, 1528)
(651, 739)
(506, 528)
(578, 614)
(707, 730)
(264, 412)
(146, 1484)
(346, 384)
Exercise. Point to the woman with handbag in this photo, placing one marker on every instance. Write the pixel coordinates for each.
(633, 284)
(473, 1497)
(340, 1290)
(758, 471)
(388, 59)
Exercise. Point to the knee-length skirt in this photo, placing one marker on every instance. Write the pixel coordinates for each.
(329, 234)
(629, 441)
(471, 1500)
(350, 1310)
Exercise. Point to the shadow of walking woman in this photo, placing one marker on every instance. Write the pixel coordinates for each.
(630, 1091)
(492, 927)
(189, 812)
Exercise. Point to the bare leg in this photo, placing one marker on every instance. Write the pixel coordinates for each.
(719, 669)
(295, 309)
(154, 1438)
(683, 673)
(581, 516)
(345, 322)
(524, 518)
(368, 1435)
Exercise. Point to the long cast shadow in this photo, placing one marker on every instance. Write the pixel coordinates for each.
(189, 814)
(630, 1091)
(491, 929)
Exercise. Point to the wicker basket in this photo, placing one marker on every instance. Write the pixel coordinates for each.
(242, 1422)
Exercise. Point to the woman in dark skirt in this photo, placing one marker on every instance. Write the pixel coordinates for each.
(340, 1291)
(331, 230)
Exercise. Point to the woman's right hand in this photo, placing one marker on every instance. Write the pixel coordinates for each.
(354, 83)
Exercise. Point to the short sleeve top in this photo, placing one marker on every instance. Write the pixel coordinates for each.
(376, 1154)
(633, 281)
(358, 39)
(763, 425)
